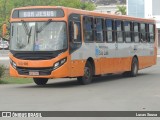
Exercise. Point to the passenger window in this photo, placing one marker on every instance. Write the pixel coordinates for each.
(136, 29)
(99, 29)
(88, 29)
(143, 32)
(119, 31)
(109, 30)
(151, 28)
(136, 32)
(109, 24)
(119, 25)
(127, 28)
(151, 33)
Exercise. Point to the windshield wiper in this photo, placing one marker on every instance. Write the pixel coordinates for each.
(27, 30)
(29, 34)
(44, 25)
(25, 27)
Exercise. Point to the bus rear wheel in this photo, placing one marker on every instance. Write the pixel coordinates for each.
(88, 75)
(134, 68)
(40, 81)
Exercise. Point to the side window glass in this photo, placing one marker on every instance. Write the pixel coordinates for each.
(136, 27)
(143, 32)
(109, 24)
(151, 28)
(109, 30)
(151, 33)
(119, 31)
(136, 32)
(99, 30)
(88, 29)
(127, 28)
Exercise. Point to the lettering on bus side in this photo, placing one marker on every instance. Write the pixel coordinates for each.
(101, 50)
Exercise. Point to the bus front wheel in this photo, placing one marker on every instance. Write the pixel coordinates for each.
(40, 81)
(88, 74)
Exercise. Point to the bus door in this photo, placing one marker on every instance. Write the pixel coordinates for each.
(75, 43)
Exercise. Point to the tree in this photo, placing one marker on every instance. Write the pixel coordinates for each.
(121, 9)
(87, 6)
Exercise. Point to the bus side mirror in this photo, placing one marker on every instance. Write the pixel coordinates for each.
(74, 31)
(4, 30)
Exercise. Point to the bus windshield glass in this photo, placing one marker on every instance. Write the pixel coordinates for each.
(38, 36)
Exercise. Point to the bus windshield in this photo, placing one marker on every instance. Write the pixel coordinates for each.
(38, 36)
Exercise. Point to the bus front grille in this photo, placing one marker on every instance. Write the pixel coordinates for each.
(40, 71)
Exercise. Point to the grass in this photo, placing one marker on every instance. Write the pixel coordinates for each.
(6, 79)
(13, 80)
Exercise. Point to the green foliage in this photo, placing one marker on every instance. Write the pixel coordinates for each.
(13, 80)
(121, 9)
(6, 6)
(5, 78)
(2, 71)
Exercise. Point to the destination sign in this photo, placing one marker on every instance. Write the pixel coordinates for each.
(38, 13)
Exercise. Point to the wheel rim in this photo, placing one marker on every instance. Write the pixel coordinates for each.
(87, 73)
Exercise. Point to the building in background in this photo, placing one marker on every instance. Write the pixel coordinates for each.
(108, 6)
(106, 9)
(106, 2)
(145, 9)
(135, 8)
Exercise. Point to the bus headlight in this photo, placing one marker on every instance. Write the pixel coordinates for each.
(13, 64)
(59, 63)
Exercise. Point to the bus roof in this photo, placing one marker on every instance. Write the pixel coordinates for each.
(90, 13)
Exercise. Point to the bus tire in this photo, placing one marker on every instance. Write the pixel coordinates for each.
(40, 81)
(134, 67)
(88, 75)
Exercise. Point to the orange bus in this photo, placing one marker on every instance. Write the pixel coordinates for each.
(58, 42)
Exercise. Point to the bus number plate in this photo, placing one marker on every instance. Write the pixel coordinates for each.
(33, 73)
